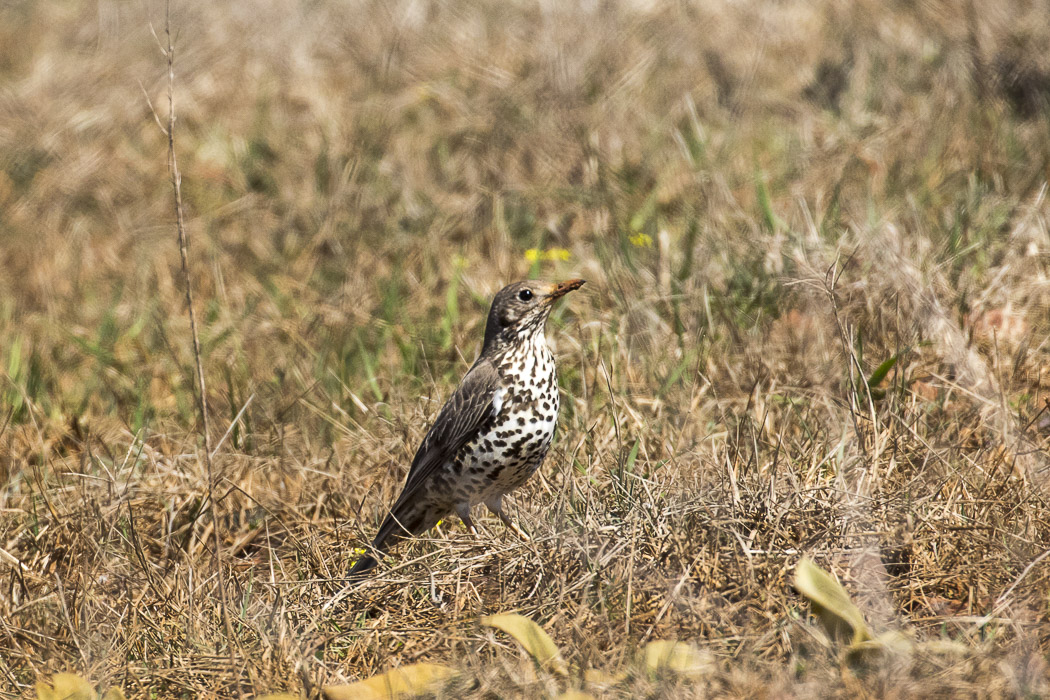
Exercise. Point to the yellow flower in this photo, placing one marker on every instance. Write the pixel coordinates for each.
(641, 240)
(356, 552)
(552, 254)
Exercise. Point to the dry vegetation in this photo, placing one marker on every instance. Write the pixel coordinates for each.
(770, 201)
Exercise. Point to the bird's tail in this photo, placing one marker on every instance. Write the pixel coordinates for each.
(367, 562)
(362, 566)
(397, 525)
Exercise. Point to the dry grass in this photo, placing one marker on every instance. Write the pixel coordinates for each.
(769, 201)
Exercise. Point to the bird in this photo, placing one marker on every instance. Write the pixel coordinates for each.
(494, 432)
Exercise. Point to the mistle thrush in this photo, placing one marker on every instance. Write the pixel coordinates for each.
(494, 431)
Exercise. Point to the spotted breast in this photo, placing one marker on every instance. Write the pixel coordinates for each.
(513, 446)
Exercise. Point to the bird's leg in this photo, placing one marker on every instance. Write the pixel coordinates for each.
(463, 511)
(495, 505)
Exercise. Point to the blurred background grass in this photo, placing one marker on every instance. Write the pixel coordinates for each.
(769, 200)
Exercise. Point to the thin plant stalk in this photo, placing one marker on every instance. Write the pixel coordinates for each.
(202, 396)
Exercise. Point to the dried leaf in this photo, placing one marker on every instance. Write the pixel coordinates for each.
(532, 638)
(593, 676)
(831, 603)
(871, 649)
(574, 695)
(944, 647)
(65, 686)
(678, 657)
(414, 679)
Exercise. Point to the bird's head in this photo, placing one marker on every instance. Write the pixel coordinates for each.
(522, 308)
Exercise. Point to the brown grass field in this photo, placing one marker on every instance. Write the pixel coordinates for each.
(817, 324)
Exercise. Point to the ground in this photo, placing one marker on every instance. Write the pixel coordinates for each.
(816, 325)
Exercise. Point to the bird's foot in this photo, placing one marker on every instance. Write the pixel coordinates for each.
(496, 506)
(517, 530)
(513, 526)
(464, 515)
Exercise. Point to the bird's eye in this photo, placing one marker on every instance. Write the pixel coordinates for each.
(525, 294)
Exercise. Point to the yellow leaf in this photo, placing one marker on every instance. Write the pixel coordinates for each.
(65, 686)
(944, 647)
(532, 638)
(678, 657)
(831, 604)
(44, 691)
(595, 677)
(871, 649)
(414, 679)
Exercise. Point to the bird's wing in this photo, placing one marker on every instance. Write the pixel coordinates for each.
(477, 398)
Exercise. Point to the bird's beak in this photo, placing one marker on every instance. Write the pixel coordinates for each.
(563, 288)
